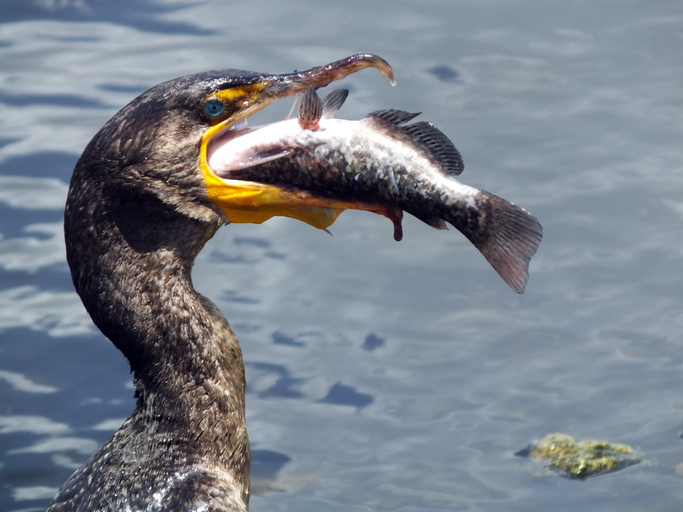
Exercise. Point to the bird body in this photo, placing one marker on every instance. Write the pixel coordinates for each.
(132, 241)
(139, 210)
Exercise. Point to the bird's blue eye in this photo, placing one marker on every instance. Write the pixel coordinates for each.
(214, 108)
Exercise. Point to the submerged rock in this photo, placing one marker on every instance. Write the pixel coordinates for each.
(584, 459)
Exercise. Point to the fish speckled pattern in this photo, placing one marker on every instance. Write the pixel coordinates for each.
(384, 160)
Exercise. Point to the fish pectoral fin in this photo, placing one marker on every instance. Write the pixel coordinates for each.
(257, 156)
(310, 110)
(436, 223)
(333, 102)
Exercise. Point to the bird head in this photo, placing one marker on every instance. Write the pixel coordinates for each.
(157, 144)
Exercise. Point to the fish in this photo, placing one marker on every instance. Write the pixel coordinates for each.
(382, 159)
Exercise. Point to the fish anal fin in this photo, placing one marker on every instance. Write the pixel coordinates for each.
(431, 220)
(333, 102)
(310, 110)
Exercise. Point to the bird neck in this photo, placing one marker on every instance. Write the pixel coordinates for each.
(131, 261)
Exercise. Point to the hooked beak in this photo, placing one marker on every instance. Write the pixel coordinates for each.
(275, 87)
(252, 202)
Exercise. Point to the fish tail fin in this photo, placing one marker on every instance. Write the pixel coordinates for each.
(508, 240)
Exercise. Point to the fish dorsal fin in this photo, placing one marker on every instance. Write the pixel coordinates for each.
(437, 144)
(393, 116)
(333, 101)
(310, 110)
(426, 136)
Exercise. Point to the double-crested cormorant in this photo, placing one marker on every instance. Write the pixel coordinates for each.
(141, 205)
(149, 191)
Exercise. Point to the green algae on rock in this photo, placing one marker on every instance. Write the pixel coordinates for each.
(581, 460)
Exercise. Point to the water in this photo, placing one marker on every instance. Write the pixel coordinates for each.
(382, 375)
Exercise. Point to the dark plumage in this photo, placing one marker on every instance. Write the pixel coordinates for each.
(138, 213)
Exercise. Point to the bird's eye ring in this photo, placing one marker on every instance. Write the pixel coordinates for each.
(214, 108)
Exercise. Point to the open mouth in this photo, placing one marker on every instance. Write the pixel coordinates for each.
(253, 202)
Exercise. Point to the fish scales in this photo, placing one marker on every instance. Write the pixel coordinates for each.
(382, 160)
(355, 164)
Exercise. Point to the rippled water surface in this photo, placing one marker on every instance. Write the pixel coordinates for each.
(382, 375)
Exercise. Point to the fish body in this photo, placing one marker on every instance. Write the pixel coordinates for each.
(383, 160)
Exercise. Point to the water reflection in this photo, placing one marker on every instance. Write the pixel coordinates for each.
(445, 73)
(340, 394)
(19, 382)
(32, 424)
(282, 339)
(373, 342)
(272, 380)
(57, 313)
(79, 445)
(380, 375)
(147, 17)
(32, 253)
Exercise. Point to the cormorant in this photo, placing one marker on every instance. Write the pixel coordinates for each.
(141, 205)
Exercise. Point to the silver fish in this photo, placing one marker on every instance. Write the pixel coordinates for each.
(384, 160)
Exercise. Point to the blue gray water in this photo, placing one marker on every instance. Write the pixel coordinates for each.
(382, 375)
